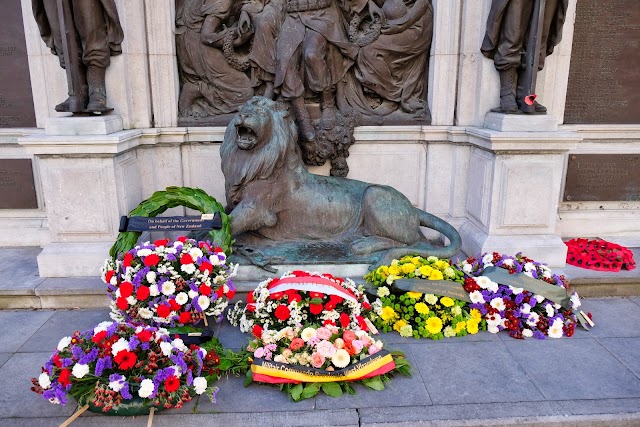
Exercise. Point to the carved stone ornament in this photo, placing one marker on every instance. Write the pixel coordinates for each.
(275, 202)
(339, 64)
(520, 35)
(83, 34)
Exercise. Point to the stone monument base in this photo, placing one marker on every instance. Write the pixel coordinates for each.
(520, 122)
(82, 125)
(73, 259)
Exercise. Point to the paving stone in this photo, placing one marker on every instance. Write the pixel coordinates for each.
(284, 419)
(16, 397)
(466, 411)
(574, 369)
(401, 391)
(231, 337)
(12, 257)
(599, 406)
(395, 338)
(18, 326)
(627, 350)
(4, 357)
(635, 299)
(61, 324)
(613, 316)
(83, 421)
(473, 372)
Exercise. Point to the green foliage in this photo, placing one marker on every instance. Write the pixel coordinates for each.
(172, 197)
(332, 389)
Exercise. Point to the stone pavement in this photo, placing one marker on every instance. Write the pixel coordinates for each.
(590, 379)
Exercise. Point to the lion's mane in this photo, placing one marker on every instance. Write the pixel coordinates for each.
(241, 167)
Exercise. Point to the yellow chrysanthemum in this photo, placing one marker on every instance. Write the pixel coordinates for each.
(434, 325)
(394, 270)
(414, 295)
(406, 331)
(441, 264)
(446, 301)
(422, 308)
(476, 315)
(460, 326)
(388, 313)
(425, 270)
(416, 260)
(408, 268)
(436, 275)
(399, 324)
(383, 270)
(472, 326)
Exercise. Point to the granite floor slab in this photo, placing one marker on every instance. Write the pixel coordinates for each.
(4, 357)
(613, 317)
(574, 369)
(18, 325)
(626, 350)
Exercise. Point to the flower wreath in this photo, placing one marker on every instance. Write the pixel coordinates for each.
(310, 334)
(599, 255)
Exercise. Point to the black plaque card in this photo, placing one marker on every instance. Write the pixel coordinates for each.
(16, 99)
(171, 223)
(17, 188)
(603, 177)
(446, 288)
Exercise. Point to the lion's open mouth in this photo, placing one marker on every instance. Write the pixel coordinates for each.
(246, 138)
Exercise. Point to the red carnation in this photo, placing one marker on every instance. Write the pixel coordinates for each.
(315, 308)
(185, 317)
(109, 276)
(162, 242)
(122, 303)
(218, 249)
(174, 305)
(328, 322)
(203, 245)
(142, 293)
(366, 305)
(144, 335)
(282, 312)
(182, 239)
(163, 311)
(330, 306)
(205, 266)
(205, 290)
(231, 293)
(257, 331)
(363, 325)
(251, 308)
(344, 320)
(336, 299)
(250, 298)
(126, 289)
(64, 377)
(125, 359)
(172, 383)
(128, 257)
(99, 336)
(151, 260)
(186, 259)
(220, 291)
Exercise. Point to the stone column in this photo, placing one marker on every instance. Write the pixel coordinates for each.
(514, 181)
(90, 177)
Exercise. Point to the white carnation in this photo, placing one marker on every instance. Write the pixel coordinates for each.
(44, 380)
(166, 348)
(151, 277)
(154, 291)
(64, 343)
(80, 370)
(120, 345)
(146, 388)
(188, 268)
(200, 384)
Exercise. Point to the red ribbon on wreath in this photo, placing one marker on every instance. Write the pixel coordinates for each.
(599, 255)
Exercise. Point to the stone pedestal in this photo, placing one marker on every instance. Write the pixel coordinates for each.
(514, 181)
(520, 122)
(88, 181)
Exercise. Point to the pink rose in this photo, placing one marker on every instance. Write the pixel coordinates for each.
(373, 349)
(317, 360)
(323, 333)
(296, 344)
(326, 349)
(348, 335)
(259, 353)
(358, 345)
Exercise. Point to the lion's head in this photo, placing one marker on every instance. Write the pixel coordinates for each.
(256, 143)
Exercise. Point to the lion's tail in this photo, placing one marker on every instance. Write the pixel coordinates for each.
(424, 249)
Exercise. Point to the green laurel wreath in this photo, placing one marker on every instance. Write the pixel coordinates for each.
(172, 197)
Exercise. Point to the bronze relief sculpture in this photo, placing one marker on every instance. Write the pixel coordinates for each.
(520, 35)
(84, 34)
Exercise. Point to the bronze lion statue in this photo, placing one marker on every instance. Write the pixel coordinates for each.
(271, 194)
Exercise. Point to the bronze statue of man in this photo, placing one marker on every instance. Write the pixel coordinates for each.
(92, 34)
(508, 28)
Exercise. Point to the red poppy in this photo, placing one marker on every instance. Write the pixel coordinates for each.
(336, 299)
(185, 317)
(294, 296)
(162, 242)
(163, 310)
(172, 383)
(151, 260)
(128, 257)
(316, 294)
(276, 295)
(186, 259)
(142, 293)
(125, 359)
(315, 308)
(205, 290)
(126, 289)
(122, 303)
(257, 331)
(144, 335)
(64, 377)
(344, 320)
(330, 306)
(205, 266)
(282, 312)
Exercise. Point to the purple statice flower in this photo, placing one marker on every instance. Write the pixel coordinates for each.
(112, 329)
(519, 298)
(89, 357)
(538, 335)
(66, 362)
(76, 351)
(171, 257)
(124, 391)
(134, 341)
(144, 346)
(179, 361)
(214, 393)
(189, 377)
